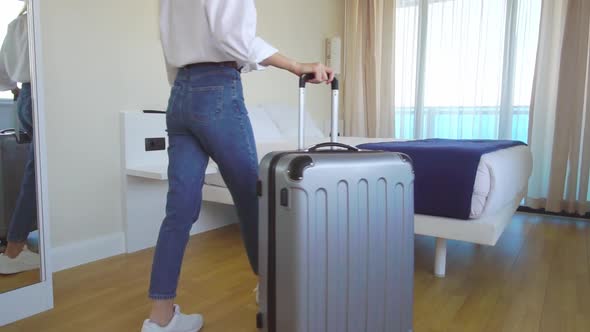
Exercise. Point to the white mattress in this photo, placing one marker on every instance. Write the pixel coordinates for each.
(502, 176)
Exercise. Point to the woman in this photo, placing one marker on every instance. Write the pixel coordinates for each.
(207, 43)
(14, 67)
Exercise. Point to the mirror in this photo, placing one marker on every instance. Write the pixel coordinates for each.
(20, 259)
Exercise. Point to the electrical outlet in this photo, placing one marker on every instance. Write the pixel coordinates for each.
(155, 144)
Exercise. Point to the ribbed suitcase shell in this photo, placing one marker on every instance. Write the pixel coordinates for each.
(13, 157)
(336, 242)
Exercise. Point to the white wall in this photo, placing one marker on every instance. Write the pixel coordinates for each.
(102, 57)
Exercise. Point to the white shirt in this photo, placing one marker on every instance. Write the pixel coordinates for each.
(194, 31)
(14, 55)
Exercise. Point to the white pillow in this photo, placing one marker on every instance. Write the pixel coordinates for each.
(264, 128)
(287, 120)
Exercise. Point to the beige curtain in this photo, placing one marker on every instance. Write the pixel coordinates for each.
(368, 82)
(560, 117)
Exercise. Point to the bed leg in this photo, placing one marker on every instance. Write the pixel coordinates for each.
(440, 257)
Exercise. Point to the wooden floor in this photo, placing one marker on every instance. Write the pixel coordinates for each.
(536, 279)
(12, 282)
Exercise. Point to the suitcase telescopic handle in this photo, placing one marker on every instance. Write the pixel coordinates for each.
(333, 145)
(334, 119)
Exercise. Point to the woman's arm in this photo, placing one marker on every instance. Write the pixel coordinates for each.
(233, 23)
(321, 72)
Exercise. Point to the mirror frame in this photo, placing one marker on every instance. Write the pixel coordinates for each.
(31, 300)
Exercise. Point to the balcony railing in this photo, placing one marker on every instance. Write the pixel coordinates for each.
(466, 122)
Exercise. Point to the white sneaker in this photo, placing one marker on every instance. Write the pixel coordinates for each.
(26, 261)
(179, 323)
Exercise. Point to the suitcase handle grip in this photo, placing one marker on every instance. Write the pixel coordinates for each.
(333, 145)
(22, 138)
(9, 131)
(306, 77)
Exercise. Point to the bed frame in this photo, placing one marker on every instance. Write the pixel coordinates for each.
(145, 185)
(486, 231)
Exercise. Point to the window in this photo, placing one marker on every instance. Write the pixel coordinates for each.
(9, 10)
(464, 68)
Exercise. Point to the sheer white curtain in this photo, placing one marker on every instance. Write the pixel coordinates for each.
(464, 68)
(560, 116)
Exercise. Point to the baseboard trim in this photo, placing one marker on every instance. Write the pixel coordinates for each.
(526, 209)
(84, 252)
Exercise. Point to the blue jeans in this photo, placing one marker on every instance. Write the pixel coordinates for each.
(24, 218)
(206, 117)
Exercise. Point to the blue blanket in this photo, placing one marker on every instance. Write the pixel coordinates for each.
(445, 171)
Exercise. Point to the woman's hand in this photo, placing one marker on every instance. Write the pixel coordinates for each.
(15, 93)
(320, 72)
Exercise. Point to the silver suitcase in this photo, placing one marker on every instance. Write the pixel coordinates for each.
(336, 238)
(13, 157)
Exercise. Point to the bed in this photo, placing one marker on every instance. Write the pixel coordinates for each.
(499, 187)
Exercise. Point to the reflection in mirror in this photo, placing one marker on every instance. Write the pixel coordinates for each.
(19, 253)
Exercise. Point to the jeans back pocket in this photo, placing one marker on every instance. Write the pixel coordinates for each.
(206, 103)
